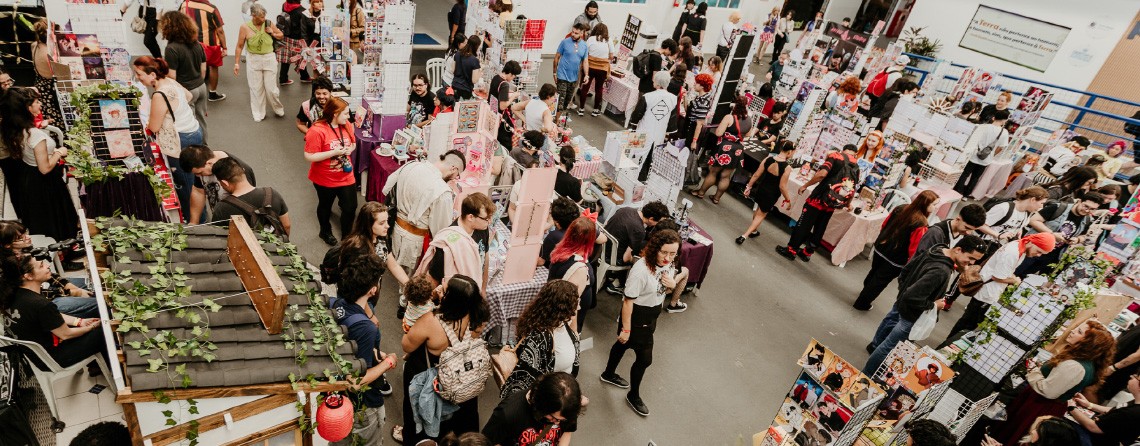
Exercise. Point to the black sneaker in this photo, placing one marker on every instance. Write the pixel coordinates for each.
(400, 312)
(595, 113)
(215, 96)
(804, 255)
(679, 308)
(740, 240)
(754, 234)
(870, 348)
(637, 405)
(869, 308)
(615, 380)
(787, 251)
(613, 289)
(385, 387)
(328, 239)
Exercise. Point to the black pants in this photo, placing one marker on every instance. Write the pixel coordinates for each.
(881, 274)
(809, 228)
(974, 315)
(778, 46)
(722, 53)
(150, 33)
(463, 95)
(283, 75)
(642, 361)
(346, 195)
(74, 350)
(970, 176)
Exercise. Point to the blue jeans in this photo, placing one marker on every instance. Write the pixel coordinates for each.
(892, 330)
(81, 307)
(183, 179)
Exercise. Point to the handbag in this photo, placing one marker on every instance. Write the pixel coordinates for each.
(138, 23)
(504, 362)
(168, 140)
(924, 325)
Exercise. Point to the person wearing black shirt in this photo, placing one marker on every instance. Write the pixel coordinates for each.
(421, 102)
(1069, 222)
(657, 62)
(457, 20)
(1126, 363)
(233, 180)
(565, 183)
(31, 317)
(502, 90)
(1111, 427)
(563, 212)
(547, 414)
(312, 109)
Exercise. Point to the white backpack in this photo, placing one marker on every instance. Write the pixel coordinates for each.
(464, 367)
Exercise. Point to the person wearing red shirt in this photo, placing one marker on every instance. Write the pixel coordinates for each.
(327, 146)
(213, 37)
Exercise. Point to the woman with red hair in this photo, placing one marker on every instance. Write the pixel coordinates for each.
(327, 146)
(1112, 162)
(1081, 363)
(697, 112)
(846, 97)
(570, 261)
(871, 146)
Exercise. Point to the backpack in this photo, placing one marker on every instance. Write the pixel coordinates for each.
(263, 216)
(878, 84)
(989, 204)
(842, 189)
(463, 367)
(641, 64)
(284, 22)
(330, 265)
(352, 319)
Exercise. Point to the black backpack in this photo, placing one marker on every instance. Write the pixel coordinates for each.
(284, 22)
(261, 217)
(989, 204)
(844, 181)
(641, 64)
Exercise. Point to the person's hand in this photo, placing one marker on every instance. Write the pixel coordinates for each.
(437, 293)
(802, 189)
(768, 76)
(1079, 400)
(80, 292)
(747, 190)
(940, 303)
(236, 65)
(1016, 281)
(668, 281)
(393, 357)
(61, 151)
(93, 322)
(988, 441)
(623, 337)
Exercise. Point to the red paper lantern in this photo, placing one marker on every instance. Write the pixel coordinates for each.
(334, 418)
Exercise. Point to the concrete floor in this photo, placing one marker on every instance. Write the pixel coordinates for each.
(721, 369)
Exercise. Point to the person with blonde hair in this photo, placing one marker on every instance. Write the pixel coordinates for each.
(728, 33)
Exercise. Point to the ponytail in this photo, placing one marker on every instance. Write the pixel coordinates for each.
(152, 65)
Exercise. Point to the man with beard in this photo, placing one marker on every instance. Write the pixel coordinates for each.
(312, 109)
(423, 204)
(570, 61)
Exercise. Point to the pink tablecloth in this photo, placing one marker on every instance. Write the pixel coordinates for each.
(621, 93)
(947, 197)
(992, 180)
(848, 234)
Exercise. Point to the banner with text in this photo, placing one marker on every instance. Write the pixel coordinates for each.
(1015, 38)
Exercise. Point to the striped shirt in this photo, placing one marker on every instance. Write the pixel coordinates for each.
(206, 16)
(414, 312)
(699, 107)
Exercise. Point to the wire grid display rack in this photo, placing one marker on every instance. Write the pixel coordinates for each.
(936, 175)
(531, 62)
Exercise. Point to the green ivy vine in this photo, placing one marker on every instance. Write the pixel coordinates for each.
(85, 166)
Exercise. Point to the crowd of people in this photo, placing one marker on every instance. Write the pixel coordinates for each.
(436, 256)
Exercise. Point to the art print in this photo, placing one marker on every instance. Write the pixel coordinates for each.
(926, 372)
(774, 437)
(899, 361)
(805, 391)
(468, 117)
(790, 416)
(816, 358)
(1121, 241)
(831, 416)
(114, 114)
(898, 404)
(839, 376)
(811, 433)
(861, 392)
(338, 72)
(119, 144)
(93, 68)
(75, 67)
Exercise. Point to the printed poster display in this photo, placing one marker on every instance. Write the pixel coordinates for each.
(1014, 38)
(927, 372)
(831, 416)
(119, 143)
(114, 113)
(535, 189)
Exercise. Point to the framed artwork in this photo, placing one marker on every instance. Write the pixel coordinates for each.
(338, 72)
(114, 113)
(468, 120)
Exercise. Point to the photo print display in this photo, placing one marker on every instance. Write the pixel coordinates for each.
(926, 372)
(805, 391)
(862, 391)
(790, 417)
(811, 433)
(899, 361)
(839, 376)
(830, 415)
(78, 45)
(114, 113)
(900, 403)
(119, 144)
(816, 358)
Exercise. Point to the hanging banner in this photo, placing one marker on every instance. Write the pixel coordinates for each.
(1014, 38)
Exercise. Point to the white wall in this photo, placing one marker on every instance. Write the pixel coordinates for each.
(838, 9)
(658, 14)
(948, 22)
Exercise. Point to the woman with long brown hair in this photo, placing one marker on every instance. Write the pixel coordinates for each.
(547, 340)
(45, 205)
(1072, 184)
(327, 146)
(1083, 362)
(44, 77)
(895, 246)
(643, 296)
(369, 235)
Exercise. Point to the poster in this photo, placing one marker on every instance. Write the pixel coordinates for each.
(338, 72)
(805, 391)
(113, 113)
(839, 376)
(1014, 38)
(926, 372)
(811, 433)
(78, 45)
(816, 358)
(119, 143)
(861, 392)
(831, 416)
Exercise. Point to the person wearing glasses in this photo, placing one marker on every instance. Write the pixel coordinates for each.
(453, 250)
(643, 297)
(6, 80)
(421, 102)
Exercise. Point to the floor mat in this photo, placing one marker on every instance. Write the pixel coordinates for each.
(423, 39)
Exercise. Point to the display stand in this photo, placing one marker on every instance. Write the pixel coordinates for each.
(730, 78)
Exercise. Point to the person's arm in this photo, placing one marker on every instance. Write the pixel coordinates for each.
(1062, 378)
(66, 331)
(557, 60)
(915, 240)
(302, 127)
(697, 134)
(1128, 360)
(440, 215)
(220, 35)
(755, 176)
(723, 127)
(313, 152)
(784, 185)
(819, 176)
(417, 336)
(580, 279)
(918, 293)
(627, 256)
(384, 362)
(626, 316)
(1088, 423)
(243, 33)
(639, 110)
(197, 202)
(396, 270)
(45, 162)
(565, 440)
(1080, 400)
(157, 113)
(284, 217)
(273, 31)
(547, 121)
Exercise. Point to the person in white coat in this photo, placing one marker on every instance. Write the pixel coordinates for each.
(655, 110)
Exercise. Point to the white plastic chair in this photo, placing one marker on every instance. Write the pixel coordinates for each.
(609, 261)
(435, 72)
(55, 371)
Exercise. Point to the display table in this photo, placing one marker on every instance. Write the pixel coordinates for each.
(360, 161)
(697, 256)
(992, 180)
(583, 169)
(621, 93)
(507, 302)
(607, 204)
(947, 197)
(847, 233)
(379, 168)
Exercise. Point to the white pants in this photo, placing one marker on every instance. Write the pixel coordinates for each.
(261, 73)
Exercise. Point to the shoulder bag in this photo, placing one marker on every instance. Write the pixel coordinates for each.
(168, 140)
(138, 23)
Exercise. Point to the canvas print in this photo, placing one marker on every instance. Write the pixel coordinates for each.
(75, 67)
(805, 391)
(119, 143)
(114, 114)
(927, 372)
(816, 358)
(839, 376)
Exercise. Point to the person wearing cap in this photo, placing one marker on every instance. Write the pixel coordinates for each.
(893, 73)
(997, 274)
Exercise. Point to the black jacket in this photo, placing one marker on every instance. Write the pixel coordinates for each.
(885, 106)
(923, 280)
(936, 234)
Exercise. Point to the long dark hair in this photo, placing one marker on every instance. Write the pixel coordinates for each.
(10, 231)
(12, 270)
(686, 49)
(472, 47)
(462, 299)
(1056, 431)
(17, 118)
(1073, 179)
(556, 303)
(911, 216)
(361, 235)
(556, 392)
